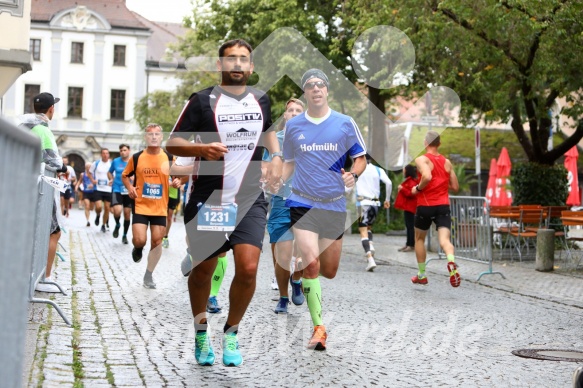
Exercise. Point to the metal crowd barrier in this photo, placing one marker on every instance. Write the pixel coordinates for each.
(44, 214)
(471, 231)
(20, 160)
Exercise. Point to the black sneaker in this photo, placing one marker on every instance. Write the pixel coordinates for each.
(137, 255)
(103, 228)
(88, 223)
(116, 231)
(124, 239)
(97, 220)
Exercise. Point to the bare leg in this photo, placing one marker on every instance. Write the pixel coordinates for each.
(243, 285)
(283, 254)
(157, 232)
(199, 288)
(53, 243)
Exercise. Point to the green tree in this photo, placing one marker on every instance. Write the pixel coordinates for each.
(508, 60)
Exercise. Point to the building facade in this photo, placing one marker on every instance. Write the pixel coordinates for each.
(93, 55)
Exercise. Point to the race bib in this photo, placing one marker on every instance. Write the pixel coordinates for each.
(152, 191)
(102, 185)
(124, 191)
(220, 218)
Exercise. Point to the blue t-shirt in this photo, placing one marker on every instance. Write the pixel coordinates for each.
(319, 148)
(285, 191)
(117, 167)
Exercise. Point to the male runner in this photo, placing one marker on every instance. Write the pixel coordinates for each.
(120, 197)
(150, 193)
(102, 193)
(173, 201)
(437, 177)
(227, 209)
(316, 146)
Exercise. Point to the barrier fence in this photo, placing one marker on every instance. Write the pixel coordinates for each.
(19, 166)
(471, 231)
(44, 214)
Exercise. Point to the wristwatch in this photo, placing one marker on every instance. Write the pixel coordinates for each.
(355, 176)
(280, 154)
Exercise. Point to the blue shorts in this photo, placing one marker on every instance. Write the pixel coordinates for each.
(279, 224)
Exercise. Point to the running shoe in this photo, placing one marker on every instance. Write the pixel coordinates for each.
(371, 264)
(186, 265)
(137, 255)
(107, 226)
(124, 239)
(149, 283)
(165, 242)
(318, 340)
(103, 228)
(297, 295)
(281, 307)
(116, 231)
(212, 305)
(88, 223)
(274, 285)
(231, 354)
(454, 276)
(203, 351)
(417, 280)
(97, 220)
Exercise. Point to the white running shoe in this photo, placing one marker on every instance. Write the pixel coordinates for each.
(274, 285)
(51, 288)
(371, 264)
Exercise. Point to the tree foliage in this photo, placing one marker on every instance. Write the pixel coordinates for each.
(509, 60)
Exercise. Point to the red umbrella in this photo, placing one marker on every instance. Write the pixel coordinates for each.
(491, 181)
(502, 194)
(574, 199)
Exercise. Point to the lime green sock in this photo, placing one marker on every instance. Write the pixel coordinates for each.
(219, 275)
(313, 293)
(421, 269)
(450, 258)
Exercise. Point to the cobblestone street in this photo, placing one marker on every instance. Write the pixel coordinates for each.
(382, 330)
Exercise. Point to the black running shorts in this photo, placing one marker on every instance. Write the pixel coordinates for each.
(326, 223)
(250, 229)
(440, 215)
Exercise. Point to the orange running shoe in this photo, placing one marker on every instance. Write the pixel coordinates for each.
(454, 276)
(318, 340)
(417, 280)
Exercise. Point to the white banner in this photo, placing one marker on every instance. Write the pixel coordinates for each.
(56, 183)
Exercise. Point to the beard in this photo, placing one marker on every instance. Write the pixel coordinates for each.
(227, 79)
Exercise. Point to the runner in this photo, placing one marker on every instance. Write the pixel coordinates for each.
(279, 228)
(408, 203)
(84, 183)
(68, 197)
(316, 146)
(437, 177)
(173, 201)
(120, 197)
(102, 194)
(368, 191)
(150, 192)
(227, 209)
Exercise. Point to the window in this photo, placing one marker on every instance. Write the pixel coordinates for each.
(76, 52)
(29, 92)
(118, 102)
(34, 49)
(119, 55)
(75, 102)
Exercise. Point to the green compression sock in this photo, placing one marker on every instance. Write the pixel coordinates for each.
(219, 275)
(313, 293)
(450, 258)
(421, 269)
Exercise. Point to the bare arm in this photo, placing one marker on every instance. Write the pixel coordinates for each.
(275, 167)
(424, 168)
(182, 147)
(357, 168)
(453, 182)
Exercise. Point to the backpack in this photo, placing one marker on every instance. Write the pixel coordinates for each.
(136, 156)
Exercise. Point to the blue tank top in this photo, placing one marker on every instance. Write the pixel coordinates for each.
(86, 183)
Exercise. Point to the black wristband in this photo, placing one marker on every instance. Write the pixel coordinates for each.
(418, 189)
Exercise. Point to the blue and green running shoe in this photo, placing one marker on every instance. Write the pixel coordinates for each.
(231, 354)
(203, 351)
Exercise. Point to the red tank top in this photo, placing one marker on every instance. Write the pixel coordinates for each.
(436, 192)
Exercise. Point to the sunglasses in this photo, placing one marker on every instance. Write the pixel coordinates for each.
(312, 85)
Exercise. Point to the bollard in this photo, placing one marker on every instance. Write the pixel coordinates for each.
(545, 250)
